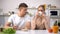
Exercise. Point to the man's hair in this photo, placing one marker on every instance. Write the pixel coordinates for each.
(23, 5)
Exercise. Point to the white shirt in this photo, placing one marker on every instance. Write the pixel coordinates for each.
(20, 21)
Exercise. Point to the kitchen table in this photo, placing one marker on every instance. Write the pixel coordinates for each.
(35, 32)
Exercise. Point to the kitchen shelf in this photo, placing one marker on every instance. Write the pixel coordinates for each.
(55, 17)
(54, 8)
(32, 8)
(5, 15)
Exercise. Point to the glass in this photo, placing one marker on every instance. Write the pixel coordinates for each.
(1, 29)
(55, 29)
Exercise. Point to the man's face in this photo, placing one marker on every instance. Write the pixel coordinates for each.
(23, 10)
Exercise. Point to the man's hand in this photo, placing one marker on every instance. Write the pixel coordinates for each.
(7, 25)
(15, 27)
(27, 25)
(25, 29)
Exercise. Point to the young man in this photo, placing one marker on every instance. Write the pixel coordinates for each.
(20, 20)
(40, 21)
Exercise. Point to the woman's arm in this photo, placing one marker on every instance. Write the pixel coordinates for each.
(33, 23)
(47, 22)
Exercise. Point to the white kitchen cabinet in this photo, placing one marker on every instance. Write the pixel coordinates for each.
(3, 19)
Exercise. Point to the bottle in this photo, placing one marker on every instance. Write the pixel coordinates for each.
(1, 28)
(55, 28)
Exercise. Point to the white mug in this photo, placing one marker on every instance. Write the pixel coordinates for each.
(40, 13)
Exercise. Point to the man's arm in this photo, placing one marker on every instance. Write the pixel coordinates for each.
(7, 24)
(9, 21)
(28, 25)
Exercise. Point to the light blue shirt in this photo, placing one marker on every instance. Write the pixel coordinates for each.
(19, 21)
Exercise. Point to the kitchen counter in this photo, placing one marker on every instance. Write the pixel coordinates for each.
(35, 32)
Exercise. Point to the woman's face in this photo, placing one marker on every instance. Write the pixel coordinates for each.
(40, 9)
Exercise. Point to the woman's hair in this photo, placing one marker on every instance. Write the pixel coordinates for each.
(42, 7)
(23, 5)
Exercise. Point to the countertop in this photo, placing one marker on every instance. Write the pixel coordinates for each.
(35, 32)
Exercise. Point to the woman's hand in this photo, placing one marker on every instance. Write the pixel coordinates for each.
(43, 16)
(36, 15)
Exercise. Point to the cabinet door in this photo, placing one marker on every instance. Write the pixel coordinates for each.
(2, 20)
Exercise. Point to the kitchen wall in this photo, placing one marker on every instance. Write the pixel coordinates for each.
(0, 4)
(11, 5)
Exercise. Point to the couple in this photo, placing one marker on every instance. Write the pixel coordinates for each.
(21, 20)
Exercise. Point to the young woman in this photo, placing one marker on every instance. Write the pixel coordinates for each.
(40, 21)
